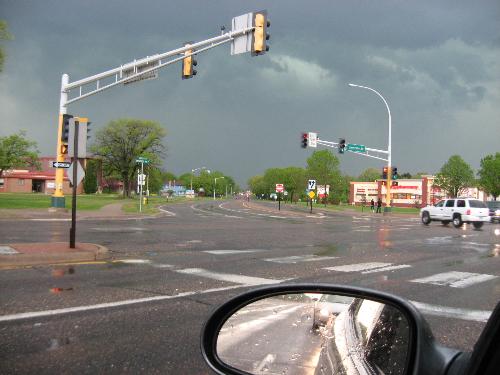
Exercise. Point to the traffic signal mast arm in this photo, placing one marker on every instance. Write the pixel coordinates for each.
(368, 151)
(155, 61)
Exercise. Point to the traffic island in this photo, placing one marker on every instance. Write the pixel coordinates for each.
(31, 254)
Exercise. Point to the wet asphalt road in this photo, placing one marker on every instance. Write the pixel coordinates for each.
(184, 265)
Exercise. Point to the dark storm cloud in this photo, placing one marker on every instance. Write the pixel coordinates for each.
(436, 62)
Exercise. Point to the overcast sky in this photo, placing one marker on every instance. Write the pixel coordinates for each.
(437, 63)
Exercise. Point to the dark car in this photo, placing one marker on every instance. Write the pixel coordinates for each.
(494, 207)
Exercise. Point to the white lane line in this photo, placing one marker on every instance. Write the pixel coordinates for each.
(452, 312)
(132, 261)
(362, 230)
(358, 267)
(268, 360)
(389, 268)
(166, 212)
(298, 258)
(50, 219)
(455, 279)
(46, 313)
(224, 252)
(239, 279)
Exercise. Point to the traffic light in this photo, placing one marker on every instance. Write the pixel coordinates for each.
(64, 148)
(384, 173)
(188, 63)
(304, 140)
(260, 35)
(341, 145)
(65, 128)
(394, 173)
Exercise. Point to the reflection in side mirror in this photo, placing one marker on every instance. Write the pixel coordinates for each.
(316, 334)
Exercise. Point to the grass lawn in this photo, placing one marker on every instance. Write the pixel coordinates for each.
(33, 200)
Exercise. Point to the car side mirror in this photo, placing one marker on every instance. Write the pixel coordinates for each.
(321, 329)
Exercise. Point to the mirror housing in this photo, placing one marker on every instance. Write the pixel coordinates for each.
(425, 357)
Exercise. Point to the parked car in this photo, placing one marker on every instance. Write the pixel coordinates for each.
(458, 211)
(494, 207)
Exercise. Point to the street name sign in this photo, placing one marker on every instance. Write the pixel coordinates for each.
(142, 159)
(280, 188)
(311, 184)
(61, 164)
(356, 148)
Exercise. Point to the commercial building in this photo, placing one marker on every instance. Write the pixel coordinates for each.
(31, 180)
(404, 192)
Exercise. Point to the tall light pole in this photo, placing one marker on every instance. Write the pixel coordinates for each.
(215, 183)
(389, 170)
(194, 170)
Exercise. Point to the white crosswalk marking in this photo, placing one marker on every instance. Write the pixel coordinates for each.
(388, 268)
(358, 267)
(224, 252)
(238, 279)
(455, 279)
(298, 258)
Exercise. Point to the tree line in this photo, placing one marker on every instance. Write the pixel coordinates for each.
(117, 146)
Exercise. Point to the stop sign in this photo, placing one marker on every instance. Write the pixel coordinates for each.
(280, 188)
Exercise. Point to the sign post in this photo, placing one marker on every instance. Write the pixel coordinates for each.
(140, 178)
(279, 189)
(72, 231)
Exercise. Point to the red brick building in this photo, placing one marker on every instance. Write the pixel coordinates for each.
(35, 181)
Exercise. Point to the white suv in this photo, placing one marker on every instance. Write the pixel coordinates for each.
(458, 211)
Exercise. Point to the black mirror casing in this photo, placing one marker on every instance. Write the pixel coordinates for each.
(426, 356)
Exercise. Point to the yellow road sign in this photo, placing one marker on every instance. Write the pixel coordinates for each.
(311, 194)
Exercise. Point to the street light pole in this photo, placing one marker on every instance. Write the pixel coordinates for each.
(389, 148)
(215, 183)
(192, 173)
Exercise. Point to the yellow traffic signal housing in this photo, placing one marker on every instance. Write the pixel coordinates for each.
(188, 63)
(64, 148)
(260, 35)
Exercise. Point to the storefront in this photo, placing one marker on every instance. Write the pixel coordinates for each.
(404, 193)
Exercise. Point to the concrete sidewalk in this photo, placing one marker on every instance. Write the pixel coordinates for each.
(29, 254)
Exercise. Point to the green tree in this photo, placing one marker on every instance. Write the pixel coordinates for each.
(90, 180)
(405, 175)
(17, 151)
(294, 179)
(323, 166)
(4, 35)
(455, 175)
(489, 174)
(340, 191)
(419, 175)
(122, 141)
(257, 185)
(369, 175)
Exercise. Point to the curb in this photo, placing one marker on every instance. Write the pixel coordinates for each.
(45, 258)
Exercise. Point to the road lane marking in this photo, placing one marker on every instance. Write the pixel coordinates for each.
(298, 258)
(452, 312)
(268, 360)
(455, 279)
(238, 279)
(166, 211)
(358, 267)
(388, 268)
(224, 252)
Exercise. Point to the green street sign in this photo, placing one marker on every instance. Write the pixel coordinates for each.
(356, 148)
(141, 159)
